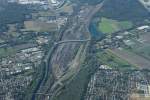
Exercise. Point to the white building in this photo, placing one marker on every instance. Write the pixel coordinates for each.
(53, 1)
(143, 27)
(31, 2)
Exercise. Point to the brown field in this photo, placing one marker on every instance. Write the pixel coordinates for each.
(139, 97)
(146, 38)
(40, 26)
(132, 58)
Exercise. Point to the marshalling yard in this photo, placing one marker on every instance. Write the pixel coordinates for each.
(52, 55)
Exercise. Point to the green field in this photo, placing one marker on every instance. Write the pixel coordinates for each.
(143, 51)
(7, 51)
(110, 26)
(110, 59)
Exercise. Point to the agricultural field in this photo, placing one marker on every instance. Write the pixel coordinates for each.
(7, 51)
(145, 38)
(109, 58)
(134, 59)
(40, 26)
(144, 49)
(110, 26)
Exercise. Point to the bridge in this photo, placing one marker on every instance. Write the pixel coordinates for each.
(68, 41)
